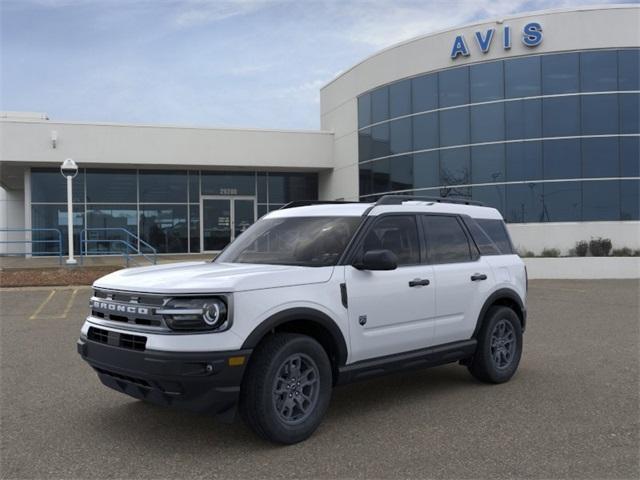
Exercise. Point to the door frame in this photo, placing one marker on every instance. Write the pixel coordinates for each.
(232, 211)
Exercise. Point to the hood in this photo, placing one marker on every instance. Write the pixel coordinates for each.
(207, 277)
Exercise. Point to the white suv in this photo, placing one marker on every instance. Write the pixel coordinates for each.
(310, 297)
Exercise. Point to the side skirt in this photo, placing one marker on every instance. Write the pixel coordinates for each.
(423, 358)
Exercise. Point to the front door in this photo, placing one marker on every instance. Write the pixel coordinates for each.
(223, 219)
(391, 311)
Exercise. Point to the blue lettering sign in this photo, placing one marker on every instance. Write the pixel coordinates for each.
(506, 38)
(459, 48)
(532, 34)
(485, 42)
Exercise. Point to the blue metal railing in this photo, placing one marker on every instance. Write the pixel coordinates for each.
(57, 241)
(131, 244)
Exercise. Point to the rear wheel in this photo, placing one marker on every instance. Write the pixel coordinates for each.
(499, 346)
(287, 388)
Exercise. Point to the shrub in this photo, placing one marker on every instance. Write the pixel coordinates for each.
(600, 247)
(581, 249)
(625, 252)
(524, 253)
(550, 252)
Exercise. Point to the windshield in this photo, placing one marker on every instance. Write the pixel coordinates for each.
(303, 241)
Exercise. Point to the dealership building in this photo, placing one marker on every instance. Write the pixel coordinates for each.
(536, 115)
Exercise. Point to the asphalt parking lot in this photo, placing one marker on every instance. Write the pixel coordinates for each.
(571, 411)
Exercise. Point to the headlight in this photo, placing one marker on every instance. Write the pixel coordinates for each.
(196, 313)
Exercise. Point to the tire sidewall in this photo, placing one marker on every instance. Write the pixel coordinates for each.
(295, 433)
(499, 375)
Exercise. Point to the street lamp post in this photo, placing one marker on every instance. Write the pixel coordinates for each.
(69, 170)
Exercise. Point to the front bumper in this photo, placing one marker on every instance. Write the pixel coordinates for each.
(200, 382)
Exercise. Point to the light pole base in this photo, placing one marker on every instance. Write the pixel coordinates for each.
(71, 261)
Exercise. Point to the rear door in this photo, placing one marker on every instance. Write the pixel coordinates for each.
(463, 279)
(391, 311)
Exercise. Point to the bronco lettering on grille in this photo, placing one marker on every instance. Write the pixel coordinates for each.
(118, 307)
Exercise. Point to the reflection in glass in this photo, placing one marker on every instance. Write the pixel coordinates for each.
(629, 113)
(53, 216)
(630, 157)
(523, 161)
(599, 71)
(487, 81)
(454, 127)
(561, 201)
(523, 119)
(629, 69)
(522, 77)
(380, 105)
(601, 200)
(524, 203)
(48, 185)
(166, 186)
(599, 114)
(454, 87)
(165, 227)
(380, 141)
(629, 199)
(194, 228)
(364, 110)
(112, 186)
(424, 93)
(426, 170)
(425, 131)
(561, 159)
(560, 73)
(455, 167)
(561, 116)
(491, 195)
(228, 183)
(381, 176)
(401, 172)
(365, 145)
(400, 98)
(487, 164)
(600, 157)
(400, 135)
(487, 123)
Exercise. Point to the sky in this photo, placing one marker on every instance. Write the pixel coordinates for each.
(219, 63)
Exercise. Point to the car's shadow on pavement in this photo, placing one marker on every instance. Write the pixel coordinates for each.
(181, 431)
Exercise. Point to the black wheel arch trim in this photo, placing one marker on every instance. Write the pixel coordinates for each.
(503, 293)
(301, 314)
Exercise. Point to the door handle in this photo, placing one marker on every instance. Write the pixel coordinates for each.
(419, 282)
(478, 276)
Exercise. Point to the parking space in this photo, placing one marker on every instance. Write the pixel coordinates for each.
(571, 411)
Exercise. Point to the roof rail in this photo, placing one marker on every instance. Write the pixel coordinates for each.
(306, 203)
(399, 199)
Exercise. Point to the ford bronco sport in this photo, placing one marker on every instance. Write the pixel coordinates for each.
(310, 297)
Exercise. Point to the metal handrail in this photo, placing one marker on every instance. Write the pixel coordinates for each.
(152, 257)
(32, 241)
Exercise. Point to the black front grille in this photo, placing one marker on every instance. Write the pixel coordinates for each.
(116, 339)
(131, 308)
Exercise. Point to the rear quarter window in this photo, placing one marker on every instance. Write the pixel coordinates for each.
(496, 230)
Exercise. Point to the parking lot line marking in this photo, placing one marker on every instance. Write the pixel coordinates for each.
(69, 304)
(42, 305)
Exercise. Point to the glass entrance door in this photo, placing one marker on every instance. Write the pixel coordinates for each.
(223, 219)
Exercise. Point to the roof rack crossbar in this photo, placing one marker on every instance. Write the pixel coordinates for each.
(399, 199)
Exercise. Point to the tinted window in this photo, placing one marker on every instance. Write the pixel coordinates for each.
(629, 113)
(425, 131)
(599, 71)
(380, 141)
(287, 187)
(228, 183)
(381, 175)
(524, 203)
(454, 87)
(365, 145)
(497, 231)
(629, 69)
(165, 227)
(424, 93)
(485, 245)
(194, 186)
(52, 216)
(112, 186)
(523, 161)
(454, 127)
(194, 226)
(629, 195)
(560, 73)
(630, 157)
(487, 123)
(562, 201)
(561, 116)
(523, 119)
(364, 110)
(487, 164)
(599, 114)
(446, 240)
(400, 99)
(600, 157)
(601, 200)
(400, 135)
(380, 105)
(490, 195)
(163, 186)
(365, 179)
(397, 233)
(401, 172)
(487, 82)
(48, 185)
(425, 170)
(522, 77)
(261, 184)
(561, 159)
(455, 168)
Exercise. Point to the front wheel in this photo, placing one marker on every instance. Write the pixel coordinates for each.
(287, 388)
(499, 346)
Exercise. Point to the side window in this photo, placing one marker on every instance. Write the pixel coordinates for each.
(398, 233)
(497, 232)
(446, 240)
(483, 241)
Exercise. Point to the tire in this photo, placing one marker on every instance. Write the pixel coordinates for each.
(275, 406)
(499, 346)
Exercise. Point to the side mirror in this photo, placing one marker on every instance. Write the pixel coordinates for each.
(378, 260)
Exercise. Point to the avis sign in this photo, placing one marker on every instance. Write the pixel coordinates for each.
(531, 37)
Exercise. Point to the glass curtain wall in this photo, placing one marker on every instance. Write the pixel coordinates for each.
(161, 207)
(543, 138)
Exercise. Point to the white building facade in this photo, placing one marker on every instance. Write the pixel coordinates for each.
(536, 115)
